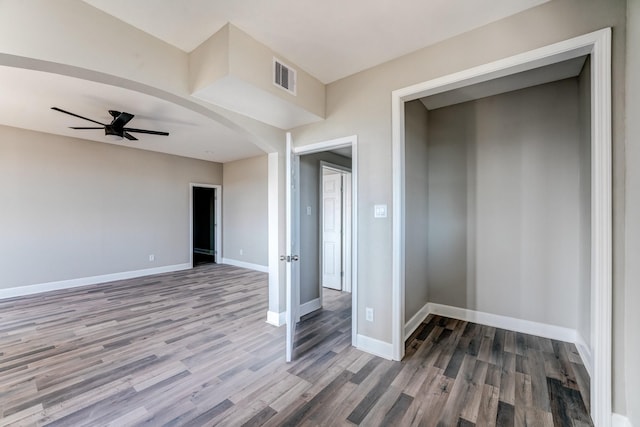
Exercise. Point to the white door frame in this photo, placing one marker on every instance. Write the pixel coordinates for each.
(348, 141)
(346, 224)
(218, 213)
(598, 45)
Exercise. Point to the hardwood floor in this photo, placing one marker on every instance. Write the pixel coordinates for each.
(192, 348)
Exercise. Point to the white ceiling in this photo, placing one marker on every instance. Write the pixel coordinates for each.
(329, 39)
(27, 98)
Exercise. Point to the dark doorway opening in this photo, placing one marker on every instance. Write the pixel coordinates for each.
(204, 226)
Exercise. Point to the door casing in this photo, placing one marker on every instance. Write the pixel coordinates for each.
(598, 45)
(349, 141)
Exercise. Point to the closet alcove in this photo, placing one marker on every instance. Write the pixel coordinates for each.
(498, 198)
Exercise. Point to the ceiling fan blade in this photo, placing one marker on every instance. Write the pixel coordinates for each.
(73, 127)
(152, 132)
(130, 137)
(75, 115)
(114, 113)
(121, 120)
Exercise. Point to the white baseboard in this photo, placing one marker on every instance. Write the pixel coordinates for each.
(618, 420)
(374, 346)
(311, 306)
(242, 264)
(85, 281)
(416, 320)
(276, 319)
(585, 353)
(510, 323)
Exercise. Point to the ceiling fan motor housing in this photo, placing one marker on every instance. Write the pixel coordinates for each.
(110, 130)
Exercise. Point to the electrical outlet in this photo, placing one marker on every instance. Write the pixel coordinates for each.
(152, 257)
(308, 210)
(241, 252)
(369, 314)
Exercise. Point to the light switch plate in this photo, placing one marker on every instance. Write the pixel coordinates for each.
(380, 211)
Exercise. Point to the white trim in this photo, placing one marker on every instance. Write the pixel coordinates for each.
(242, 264)
(331, 144)
(415, 321)
(585, 353)
(601, 229)
(504, 322)
(276, 319)
(598, 44)
(397, 227)
(374, 346)
(618, 420)
(347, 141)
(310, 306)
(218, 213)
(86, 281)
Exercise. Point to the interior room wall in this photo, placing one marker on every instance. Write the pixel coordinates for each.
(416, 208)
(360, 104)
(309, 224)
(78, 209)
(584, 111)
(524, 184)
(451, 138)
(244, 211)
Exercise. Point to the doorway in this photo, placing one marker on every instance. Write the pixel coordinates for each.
(598, 46)
(205, 224)
(324, 227)
(335, 227)
(304, 289)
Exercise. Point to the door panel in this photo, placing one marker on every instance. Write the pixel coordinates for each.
(292, 277)
(332, 230)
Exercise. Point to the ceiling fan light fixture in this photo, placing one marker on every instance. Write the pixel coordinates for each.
(116, 130)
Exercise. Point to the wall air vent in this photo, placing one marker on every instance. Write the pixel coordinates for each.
(284, 76)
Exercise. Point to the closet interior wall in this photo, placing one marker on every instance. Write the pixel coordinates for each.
(497, 204)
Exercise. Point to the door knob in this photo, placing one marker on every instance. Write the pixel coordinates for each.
(295, 258)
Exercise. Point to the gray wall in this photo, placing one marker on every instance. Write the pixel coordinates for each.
(632, 292)
(505, 211)
(360, 104)
(584, 111)
(451, 140)
(76, 208)
(244, 211)
(416, 206)
(309, 224)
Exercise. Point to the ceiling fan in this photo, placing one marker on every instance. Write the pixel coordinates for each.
(116, 127)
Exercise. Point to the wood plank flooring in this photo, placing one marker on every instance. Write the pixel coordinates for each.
(192, 348)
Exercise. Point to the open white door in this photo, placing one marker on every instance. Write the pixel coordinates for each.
(292, 276)
(332, 268)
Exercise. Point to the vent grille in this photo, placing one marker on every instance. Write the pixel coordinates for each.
(284, 76)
